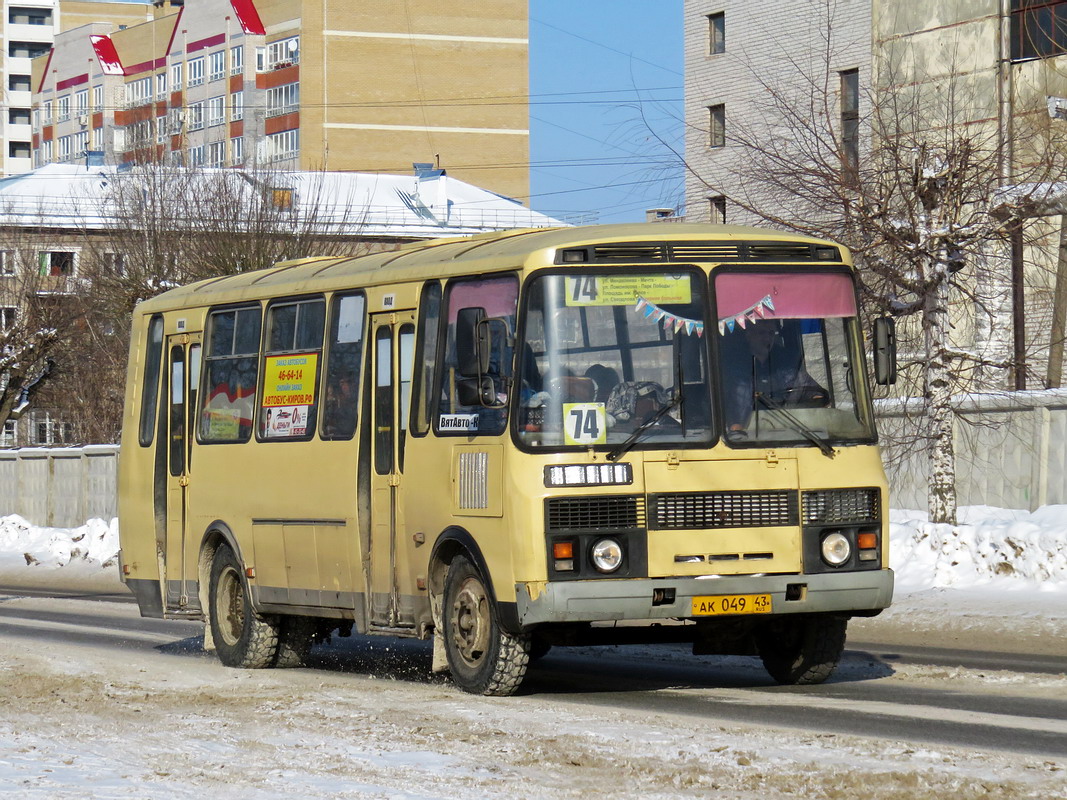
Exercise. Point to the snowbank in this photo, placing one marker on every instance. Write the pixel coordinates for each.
(25, 547)
(994, 548)
(991, 548)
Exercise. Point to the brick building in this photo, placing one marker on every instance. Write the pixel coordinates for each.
(303, 84)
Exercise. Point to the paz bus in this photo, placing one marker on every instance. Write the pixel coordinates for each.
(504, 443)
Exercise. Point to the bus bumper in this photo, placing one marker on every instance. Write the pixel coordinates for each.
(646, 598)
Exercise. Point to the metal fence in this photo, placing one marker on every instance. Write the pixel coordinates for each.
(60, 487)
(1011, 451)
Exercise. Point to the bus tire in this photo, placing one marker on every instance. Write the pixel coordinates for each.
(802, 651)
(295, 638)
(243, 638)
(483, 658)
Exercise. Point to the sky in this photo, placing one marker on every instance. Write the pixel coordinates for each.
(605, 108)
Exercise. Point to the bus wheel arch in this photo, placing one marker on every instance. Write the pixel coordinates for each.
(218, 534)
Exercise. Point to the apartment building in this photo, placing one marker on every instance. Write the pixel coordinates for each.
(27, 30)
(302, 84)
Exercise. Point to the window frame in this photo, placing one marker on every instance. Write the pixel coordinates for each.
(207, 359)
(716, 33)
(717, 126)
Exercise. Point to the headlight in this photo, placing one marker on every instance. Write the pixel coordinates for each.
(607, 555)
(836, 549)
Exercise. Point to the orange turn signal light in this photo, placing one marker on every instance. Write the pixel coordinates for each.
(867, 541)
(563, 550)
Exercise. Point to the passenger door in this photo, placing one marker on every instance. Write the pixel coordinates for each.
(182, 382)
(392, 361)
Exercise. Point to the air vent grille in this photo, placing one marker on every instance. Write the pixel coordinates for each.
(834, 506)
(709, 251)
(779, 251)
(688, 252)
(628, 252)
(595, 513)
(724, 510)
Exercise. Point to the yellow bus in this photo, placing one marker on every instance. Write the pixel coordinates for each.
(504, 443)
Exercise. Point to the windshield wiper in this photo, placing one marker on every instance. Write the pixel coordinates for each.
(631, 440)
(797, 425)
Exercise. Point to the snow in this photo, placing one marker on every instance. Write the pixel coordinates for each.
(1005, 550)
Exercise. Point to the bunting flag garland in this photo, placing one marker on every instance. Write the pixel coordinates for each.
(672, 323)
(753, 313)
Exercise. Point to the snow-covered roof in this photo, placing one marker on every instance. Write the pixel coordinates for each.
(79, 197)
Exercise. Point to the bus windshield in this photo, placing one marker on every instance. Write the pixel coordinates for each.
(791, 370)
(610, 356)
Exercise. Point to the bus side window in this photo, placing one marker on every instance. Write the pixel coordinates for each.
(231, 367)
(426, 375)
(289, 406)
(150, 389)
(499, 298)
(341, 385)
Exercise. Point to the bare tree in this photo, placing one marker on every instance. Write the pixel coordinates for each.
(914, 208)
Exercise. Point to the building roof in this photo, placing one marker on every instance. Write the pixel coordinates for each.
(430, 205)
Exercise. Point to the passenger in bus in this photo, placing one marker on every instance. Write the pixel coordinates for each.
(763, 367)
(339, 419)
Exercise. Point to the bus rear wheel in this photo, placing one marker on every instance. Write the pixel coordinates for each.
(243, 638)
(802, 651)
(483, 658)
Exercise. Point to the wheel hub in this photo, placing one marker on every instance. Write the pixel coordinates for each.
(471, 621)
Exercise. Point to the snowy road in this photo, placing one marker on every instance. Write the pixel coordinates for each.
(99, 702)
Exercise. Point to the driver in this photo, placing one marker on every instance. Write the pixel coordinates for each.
(764, 370)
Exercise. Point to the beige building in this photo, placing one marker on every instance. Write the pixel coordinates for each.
(27, 29)
(323, 84)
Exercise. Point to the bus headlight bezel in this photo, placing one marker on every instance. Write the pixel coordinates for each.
(607, 555)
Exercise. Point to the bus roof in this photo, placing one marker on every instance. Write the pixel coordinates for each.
(444, 258)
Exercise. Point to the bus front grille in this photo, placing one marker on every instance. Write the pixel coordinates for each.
(702, 510)
(616, 512)
(833, 506)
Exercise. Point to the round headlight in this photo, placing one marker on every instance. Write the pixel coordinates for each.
(607, 555)
(836, 549)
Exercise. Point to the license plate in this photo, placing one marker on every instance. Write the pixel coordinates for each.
(731, 604)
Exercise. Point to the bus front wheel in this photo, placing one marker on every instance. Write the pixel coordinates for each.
(482, 658)
(243, 638)
(802, 651)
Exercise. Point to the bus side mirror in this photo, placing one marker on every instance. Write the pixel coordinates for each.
(885, 351)
(472, 344)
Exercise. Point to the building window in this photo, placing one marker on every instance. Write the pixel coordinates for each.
(98, 138)
(216, 65)
(237, 60)
(27, 49)
(7, 263)
(176, 77)
(717, 205)
(46, 152)
(48, 431)
(237, 106)
(284, 145)
(64, 148)
(197, 155)
(18, 149)
(216, 111)
(138, 92)
(850, 120)
(63, 108)
(1038, 28)
(7, 437)
(717, 125)
(162, 128)
(18, 116)
(161, 85)
(81, 102)
(56, 263)
(18, 83)
(29, 16)
(113, 264)
(237, 151)
(283, 53)
(283, 99)
(8, 317)
(216, 154)
(79, 143)
(717, 33)
(196, 116)
(196, 71)
(98, 98)
(174, 121)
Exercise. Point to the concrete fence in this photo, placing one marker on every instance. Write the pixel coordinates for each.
(59, 487)
(1011, 451)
